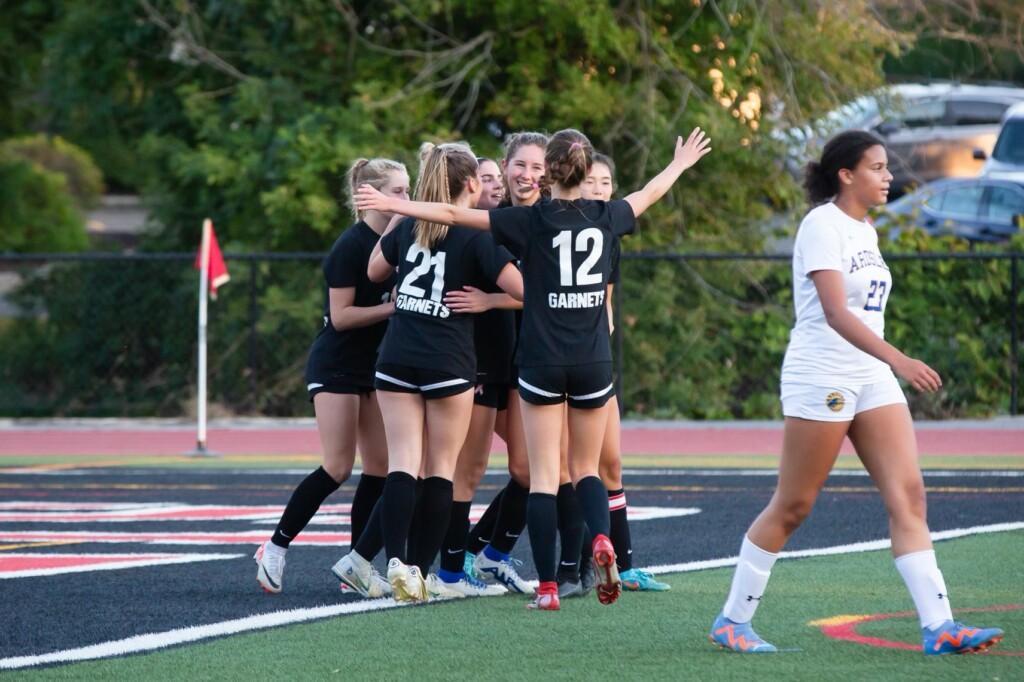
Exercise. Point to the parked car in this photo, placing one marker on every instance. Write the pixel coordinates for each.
(1007, 155)
(930, 131)
(981, 209)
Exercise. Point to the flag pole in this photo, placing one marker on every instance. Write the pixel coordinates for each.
(204, 294)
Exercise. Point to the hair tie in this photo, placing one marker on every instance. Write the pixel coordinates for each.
(575, 144)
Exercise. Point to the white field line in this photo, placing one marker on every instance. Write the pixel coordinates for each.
(160, 640)
(116, 562)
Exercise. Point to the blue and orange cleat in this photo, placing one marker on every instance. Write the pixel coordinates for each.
(642, 581)
(957, 638)
(739, 637)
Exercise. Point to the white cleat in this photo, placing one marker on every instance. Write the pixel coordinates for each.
(502, 573)
(439, 589)
(270, 572)
(360, 575)
(469, 586)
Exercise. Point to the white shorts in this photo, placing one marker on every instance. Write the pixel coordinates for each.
(837, 403)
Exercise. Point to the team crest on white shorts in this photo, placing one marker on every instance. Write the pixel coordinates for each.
(834, 401)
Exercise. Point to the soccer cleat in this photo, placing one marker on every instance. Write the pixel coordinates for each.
(957, 638)
(609, 587)
(469, 586)
(568, 589)
(406, 582)
(501, 572)
(637, 580)
(588, 576)
(738, 637)
(360, 575)
(546, 598)
(270, 572)
(439, 589)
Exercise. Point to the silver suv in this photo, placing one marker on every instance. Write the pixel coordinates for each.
(1007, 157)
(930, 131)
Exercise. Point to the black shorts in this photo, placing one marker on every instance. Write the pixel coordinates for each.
(492, 395)
(428, 382)
(583, 386)
(348, 384)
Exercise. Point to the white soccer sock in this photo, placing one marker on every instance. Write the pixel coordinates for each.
(748, 582)
(927, 588)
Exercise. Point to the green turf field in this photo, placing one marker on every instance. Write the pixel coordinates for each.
(644, 636)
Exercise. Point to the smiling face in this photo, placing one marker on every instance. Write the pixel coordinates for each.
(493, 189)
(524, 172)
(599, 184)
(867, 185)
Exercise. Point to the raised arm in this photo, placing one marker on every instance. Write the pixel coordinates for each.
(686, 155)
(368, 199)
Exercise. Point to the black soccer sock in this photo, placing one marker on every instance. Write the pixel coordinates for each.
(511, 518)
(397, 503)
(484, 528)
(453, 549)
(303, 505)
(593, 497)
(620, 537)
(371, 542)
(435, 512)
(367, 493)
(413, 547)
(570, 530)
(541, 510)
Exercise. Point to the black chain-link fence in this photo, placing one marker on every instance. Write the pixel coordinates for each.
(697, 336)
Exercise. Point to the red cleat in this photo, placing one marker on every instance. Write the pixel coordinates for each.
(609, 587)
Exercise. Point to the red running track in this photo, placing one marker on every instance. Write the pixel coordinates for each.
(715, 439)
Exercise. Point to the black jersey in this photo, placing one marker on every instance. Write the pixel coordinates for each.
(566, 251)
(350, 351)
(424, 332)
(494, 336)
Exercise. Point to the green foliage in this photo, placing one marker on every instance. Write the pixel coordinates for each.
(37, 214)
(57, 155)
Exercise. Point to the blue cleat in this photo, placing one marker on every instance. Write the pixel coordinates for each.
(637, 580)
(957, 638)
(739, 637)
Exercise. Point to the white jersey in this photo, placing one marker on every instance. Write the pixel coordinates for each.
(829, 239)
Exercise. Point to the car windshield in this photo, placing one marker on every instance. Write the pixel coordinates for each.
(1010, 145)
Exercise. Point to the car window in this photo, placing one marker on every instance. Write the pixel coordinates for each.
(1010, 145)
(1004, 203)
(973, 112)
(962, 200)
(923, 114)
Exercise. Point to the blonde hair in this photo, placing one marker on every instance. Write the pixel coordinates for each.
(373, 172)
(444, 171)
(513, 143)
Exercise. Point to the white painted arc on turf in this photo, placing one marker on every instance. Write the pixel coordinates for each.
(155, 641)
(854, 548)
(161, 640)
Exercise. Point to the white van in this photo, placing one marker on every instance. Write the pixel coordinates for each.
(1007, 159)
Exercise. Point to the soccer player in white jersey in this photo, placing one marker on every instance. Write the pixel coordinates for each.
(838, 381)
(564, 355)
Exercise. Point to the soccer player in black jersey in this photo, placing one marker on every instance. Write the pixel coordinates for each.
(339, 375)
(427, 369)
(564, 352)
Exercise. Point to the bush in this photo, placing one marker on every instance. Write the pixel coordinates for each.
(55, 154)
(37, 214)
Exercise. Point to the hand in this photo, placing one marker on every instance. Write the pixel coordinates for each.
(470, 300)
(693, 149)
(917, 374)
(368, 199)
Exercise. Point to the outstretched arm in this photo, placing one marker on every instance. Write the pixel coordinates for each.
(686, 155)
(368, 199)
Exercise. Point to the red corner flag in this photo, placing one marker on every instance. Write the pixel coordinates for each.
(217, 270)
